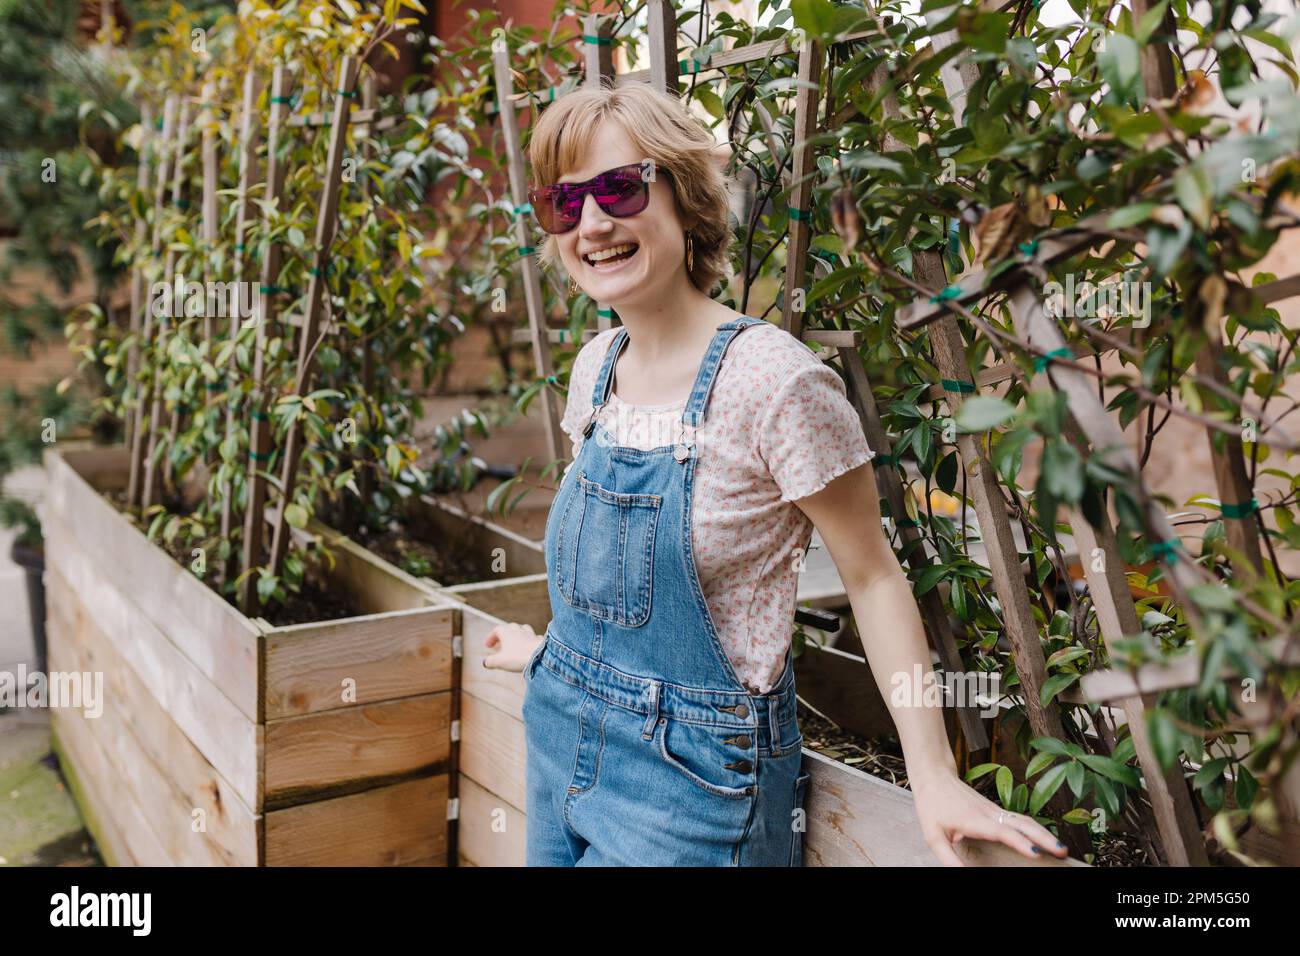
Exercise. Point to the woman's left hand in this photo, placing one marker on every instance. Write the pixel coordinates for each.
(949, 810)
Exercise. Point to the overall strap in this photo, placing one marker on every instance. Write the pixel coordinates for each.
(698, 403)
(605, 378)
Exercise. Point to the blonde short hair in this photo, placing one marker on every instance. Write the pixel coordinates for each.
(663, 130)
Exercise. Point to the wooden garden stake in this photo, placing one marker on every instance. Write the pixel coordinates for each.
(151, 477)
(139, 433)
(248, 137)
(556, 440)
(326, 224)
(598, 43)
(139, 300)
(259, 426)
(366, 477)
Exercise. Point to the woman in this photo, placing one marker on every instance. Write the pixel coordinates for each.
(660, 704)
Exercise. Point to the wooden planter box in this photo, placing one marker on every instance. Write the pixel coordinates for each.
(853, 819)
(224, 740)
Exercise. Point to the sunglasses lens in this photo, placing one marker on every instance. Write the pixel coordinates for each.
(622, 196)
(619, 192)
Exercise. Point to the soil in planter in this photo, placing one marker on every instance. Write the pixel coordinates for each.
(453, 563)
(313, 603)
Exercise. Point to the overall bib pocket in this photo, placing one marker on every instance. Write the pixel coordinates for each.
(605, 541)
(700, 754)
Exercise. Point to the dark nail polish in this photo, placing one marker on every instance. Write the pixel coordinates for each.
(1060, 845)
(1036, 850)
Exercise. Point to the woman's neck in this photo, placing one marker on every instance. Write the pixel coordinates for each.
(671, 328)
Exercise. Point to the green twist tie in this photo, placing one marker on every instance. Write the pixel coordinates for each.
(183, 203)
(239, 247)
(906, 523)
(800, 215)
(1042, 361)
(551, 378)
(286, 100)
(273, 289)
(350, 94)
(1029, 249)
(256, 457)
(319, 272)
(605, 313)
(950, 292)
(1242, 510)
(1165, 549)
(596, 41)
(884, 460)
(157, 253)
(524, 209)
(218, 386)
(953, 385)
(526, 251)
(261, 416)
(696, 63)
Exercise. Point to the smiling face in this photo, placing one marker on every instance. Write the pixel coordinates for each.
(637, 258)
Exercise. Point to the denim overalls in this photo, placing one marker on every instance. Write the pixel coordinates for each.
(644, 748)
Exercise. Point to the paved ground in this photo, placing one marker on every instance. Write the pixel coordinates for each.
(39, 825)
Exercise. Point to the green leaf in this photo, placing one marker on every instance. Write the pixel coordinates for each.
(1112, 769)
(1046, 788)
(1120, 66)
(296, 515)
(1004, 782)
(982, 412)
(1054, 685)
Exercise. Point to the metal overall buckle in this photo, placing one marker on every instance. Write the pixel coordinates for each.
(685, 442)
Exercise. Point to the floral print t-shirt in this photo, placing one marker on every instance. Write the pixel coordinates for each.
(778, 427)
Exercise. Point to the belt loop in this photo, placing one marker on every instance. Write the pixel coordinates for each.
(773, 724)
(648, 730)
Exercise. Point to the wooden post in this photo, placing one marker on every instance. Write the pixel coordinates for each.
(366, 478)
(150, 493)
(259, 427)
(139, 301)
(248, 137)
(598, 43)
(139, 433)
(1116, 616)
(326, 224)
(556, 440)
(209, 223)
(662, 24)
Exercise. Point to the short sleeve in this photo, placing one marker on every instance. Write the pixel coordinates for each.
(809, 432)
(582, 379)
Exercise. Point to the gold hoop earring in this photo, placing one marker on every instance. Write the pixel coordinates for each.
(573, 286)
(690, 253)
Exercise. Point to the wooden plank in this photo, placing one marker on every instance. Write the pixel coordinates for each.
(556, 441)
(493, 832)
(259, 427)
(1182, 670)
(326, 227)
(493, 750)
(356, 747)
(839, 685)
(227, 738)
(155, 765)
(365, 116)
(432, 519)
(310, 667)
(855, 819)
(220, 642)
(523, 600)
(598, 45)
(109, 839)
(371, 584)
(386, 826)
(556, 336)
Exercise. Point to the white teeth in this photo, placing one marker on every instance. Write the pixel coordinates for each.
(603, 254)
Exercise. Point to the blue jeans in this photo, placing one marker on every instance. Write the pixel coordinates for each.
(644, 748)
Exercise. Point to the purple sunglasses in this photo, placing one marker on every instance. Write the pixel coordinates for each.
(621, 192)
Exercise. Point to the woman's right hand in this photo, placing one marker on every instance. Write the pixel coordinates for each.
(510, 646)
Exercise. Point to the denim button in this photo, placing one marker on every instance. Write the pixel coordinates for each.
(740, 766)
(744, 741)
(742, 711)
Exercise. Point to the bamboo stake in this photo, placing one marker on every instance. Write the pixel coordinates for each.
(556, 440)
(248, 137)
(326, 225)
(143, 415)
(259, 428)
(138, 299)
